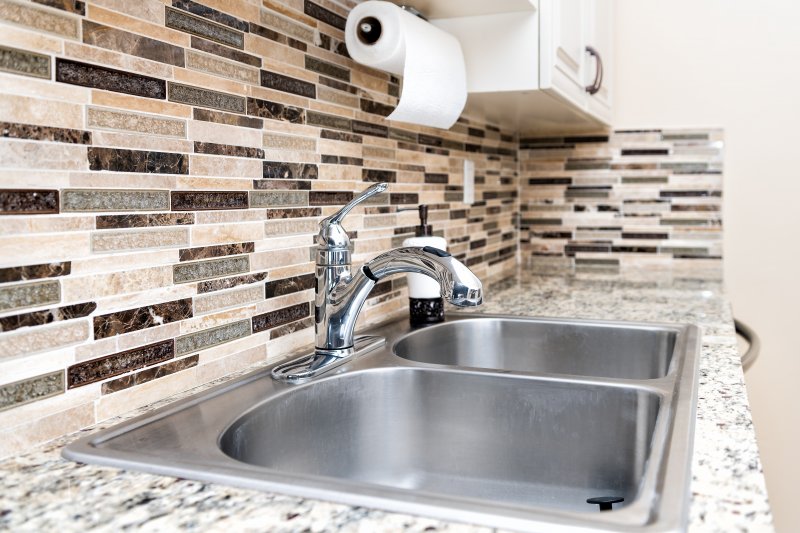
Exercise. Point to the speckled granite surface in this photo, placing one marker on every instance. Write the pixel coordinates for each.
(42, 492)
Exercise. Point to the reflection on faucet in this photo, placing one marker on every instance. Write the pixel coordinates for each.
(340, 294)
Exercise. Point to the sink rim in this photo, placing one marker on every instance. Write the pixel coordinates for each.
(661, 503)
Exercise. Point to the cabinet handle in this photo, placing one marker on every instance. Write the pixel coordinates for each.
(598, 77)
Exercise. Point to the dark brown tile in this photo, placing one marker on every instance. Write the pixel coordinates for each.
(38, 318)
(367, 128)
(290, 171)
(210, 14)
(197, 96)
(279, 82)
(341, 160)
(182, 21)
(31, 132)
(119, 363)
(376, 108)
(132, 44)
(314, 118)
(325, 15)
(149, 374)
(227, 283)
(292, 327)
(28, 202)
(298, 212)
(24, 62)
(341, 136)
(329, 197)
(143, 221)
(71, 6)
(227, 149)
(338, 85)
(386, 176)
(327, 42)
(107, 79)
(207, 115)
(275, 111)
(28, 272)
(204, 45)
(208, 200)
(280, 316)
(404, 198)
(273, 35)
(431, 177)
(120, 160)
(220, 250)
(281, 287)
(141, 318)
(329, 69)
(31, 389)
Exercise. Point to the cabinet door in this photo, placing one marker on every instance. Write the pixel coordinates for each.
(600, 38)
(563, 48)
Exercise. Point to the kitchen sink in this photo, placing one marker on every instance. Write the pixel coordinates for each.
(459, 433)
(614, 351)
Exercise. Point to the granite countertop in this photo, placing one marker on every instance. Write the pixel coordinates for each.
(43, 492)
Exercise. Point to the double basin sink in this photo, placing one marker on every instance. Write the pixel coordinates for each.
(508, 422)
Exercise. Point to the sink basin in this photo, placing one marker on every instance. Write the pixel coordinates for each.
(554, 347)
(414, 429)
(510, 441)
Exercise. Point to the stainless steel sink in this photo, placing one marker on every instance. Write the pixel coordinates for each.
(553, 347)
(500, 444)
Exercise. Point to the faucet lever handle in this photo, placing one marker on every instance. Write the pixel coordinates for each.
(331, 234)
(365, 195)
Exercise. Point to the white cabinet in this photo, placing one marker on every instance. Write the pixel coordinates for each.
(529, 62)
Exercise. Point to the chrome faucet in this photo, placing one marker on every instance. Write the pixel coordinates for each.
(340, 293)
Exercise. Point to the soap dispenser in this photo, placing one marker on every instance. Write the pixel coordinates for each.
(426, 305)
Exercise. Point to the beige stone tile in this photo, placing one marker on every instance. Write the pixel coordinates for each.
(278, 258)
(224, 134)
(291, 156)
(23, 437)
(217, 301)
(115, 241)
(225, 233)
(111, 119)
(286, 300)
(141, 259)
(120, 180)
(36, 155)
(230, 216)
(292, 226)
(148, 336)
(279, 96)
(140, 142)
(18, 368)
(82, 52)
(234, 167)
(44, 248)
(331, 109)
(34, 41)
(45, 20)
(33, 88)
(50, 224)
(221, 67)
(220, 318)
(101, 285)
(237, 8)
(340, 148)
(207, 81)
(275, 51)
(95, 349)
(43, 338)
(219, 184)
(300, 341)
(145, 105)
(227, 365)
(126, 400)
(149, 10)
(295, 28)
(337, 97)
(291, 271)
(279, 141)
(287, 241)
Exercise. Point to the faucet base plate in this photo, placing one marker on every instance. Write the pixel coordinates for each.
(309, 366)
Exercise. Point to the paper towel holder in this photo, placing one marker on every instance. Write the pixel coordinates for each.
(369, 28)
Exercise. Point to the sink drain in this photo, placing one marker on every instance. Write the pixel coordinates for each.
(605, 501)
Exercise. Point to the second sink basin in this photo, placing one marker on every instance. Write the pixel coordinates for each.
(544, 346)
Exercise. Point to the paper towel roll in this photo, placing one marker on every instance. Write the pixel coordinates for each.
(383, 36)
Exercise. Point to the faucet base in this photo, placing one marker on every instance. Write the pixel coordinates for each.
(319, 362)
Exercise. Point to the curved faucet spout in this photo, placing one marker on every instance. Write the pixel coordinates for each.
(337, 312)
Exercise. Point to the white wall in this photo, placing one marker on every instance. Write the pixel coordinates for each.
(736, 64)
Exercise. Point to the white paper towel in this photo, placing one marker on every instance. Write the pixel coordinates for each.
(429, 59)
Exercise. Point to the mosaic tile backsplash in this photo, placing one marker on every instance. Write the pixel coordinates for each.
(163, 168)
(164, 165)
